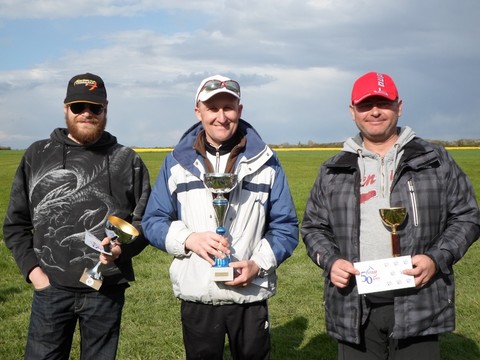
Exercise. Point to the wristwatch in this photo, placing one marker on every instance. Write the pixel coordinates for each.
(262, 273)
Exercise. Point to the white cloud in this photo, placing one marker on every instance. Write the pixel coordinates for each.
(296, 62)
(54, 9)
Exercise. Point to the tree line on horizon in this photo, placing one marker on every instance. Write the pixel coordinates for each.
(313, 144)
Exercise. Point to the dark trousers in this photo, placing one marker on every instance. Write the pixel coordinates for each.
(54, 317)
(246, 325)
(377, 343)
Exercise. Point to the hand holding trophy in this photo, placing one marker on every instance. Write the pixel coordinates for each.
(394, 217)
(118, 230)
(220, 184)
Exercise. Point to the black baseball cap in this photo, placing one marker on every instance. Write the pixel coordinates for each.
(86, 88)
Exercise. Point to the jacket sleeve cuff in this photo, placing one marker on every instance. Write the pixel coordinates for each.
(175, 243)
(443, 260)
(29, 263)
(264, 257)
(27, 277)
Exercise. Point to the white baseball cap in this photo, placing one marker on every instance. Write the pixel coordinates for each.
(214, 85)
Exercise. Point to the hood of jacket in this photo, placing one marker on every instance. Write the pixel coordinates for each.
(355, 144)
(105, 142)
(185, 154)
(61, 135)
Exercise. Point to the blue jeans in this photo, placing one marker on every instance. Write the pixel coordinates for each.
(54, 317)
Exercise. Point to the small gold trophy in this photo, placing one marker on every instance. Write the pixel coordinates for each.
(220, 184)
(118, 230)
(394, 217)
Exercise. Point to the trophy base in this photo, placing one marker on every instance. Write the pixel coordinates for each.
(222, 273)
(90, 281)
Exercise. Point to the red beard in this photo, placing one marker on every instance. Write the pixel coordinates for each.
(82, 135)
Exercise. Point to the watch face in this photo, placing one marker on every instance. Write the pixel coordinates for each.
(262, 273)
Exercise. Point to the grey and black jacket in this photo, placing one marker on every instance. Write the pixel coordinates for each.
(443, 221)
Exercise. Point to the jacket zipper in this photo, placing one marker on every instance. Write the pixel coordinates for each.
(413, 199)
(217, 159)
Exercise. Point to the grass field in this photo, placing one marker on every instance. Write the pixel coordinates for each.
(151, 326)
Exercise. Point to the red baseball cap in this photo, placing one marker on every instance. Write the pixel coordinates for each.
(373, 84)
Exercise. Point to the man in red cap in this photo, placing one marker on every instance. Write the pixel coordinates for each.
(388, 166)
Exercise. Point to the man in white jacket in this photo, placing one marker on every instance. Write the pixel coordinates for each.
(261, 223)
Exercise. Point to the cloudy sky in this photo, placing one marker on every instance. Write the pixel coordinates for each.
(296, 61)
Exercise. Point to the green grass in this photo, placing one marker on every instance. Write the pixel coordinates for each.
(151, 327)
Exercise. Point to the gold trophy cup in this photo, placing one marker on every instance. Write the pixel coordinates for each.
(221, 184)
(118, 230)
(394, 217)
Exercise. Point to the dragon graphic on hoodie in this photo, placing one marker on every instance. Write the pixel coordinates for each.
(60, 190)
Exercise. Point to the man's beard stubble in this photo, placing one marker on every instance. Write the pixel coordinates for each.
(89, 137)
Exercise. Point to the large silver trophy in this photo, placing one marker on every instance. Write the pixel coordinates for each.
(118, 230)
(394, 217)
(220, 184)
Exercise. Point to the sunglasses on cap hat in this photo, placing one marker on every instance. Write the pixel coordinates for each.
(80, 107)
(213, 86)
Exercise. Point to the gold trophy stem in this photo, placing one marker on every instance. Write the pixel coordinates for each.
(393, 217)
(395, 244)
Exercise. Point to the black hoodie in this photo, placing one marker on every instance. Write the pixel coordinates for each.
(60, 190)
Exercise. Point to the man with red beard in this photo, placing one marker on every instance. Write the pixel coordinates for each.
(65, 186)
(86, 109)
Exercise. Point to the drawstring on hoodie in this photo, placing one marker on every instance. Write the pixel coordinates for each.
(385, 177)
(109, 175)
(396, 148)
(362, 162)
(64, 159)
(107, 160)
(395, 157)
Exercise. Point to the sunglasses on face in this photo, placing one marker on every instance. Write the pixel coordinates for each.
(80, 107)
(380, 104)
(231, 85)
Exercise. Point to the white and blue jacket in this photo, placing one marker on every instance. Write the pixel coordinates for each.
(261, 221)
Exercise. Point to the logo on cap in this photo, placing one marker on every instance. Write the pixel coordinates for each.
(86, 82)
(373, 84)
(380, 82)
